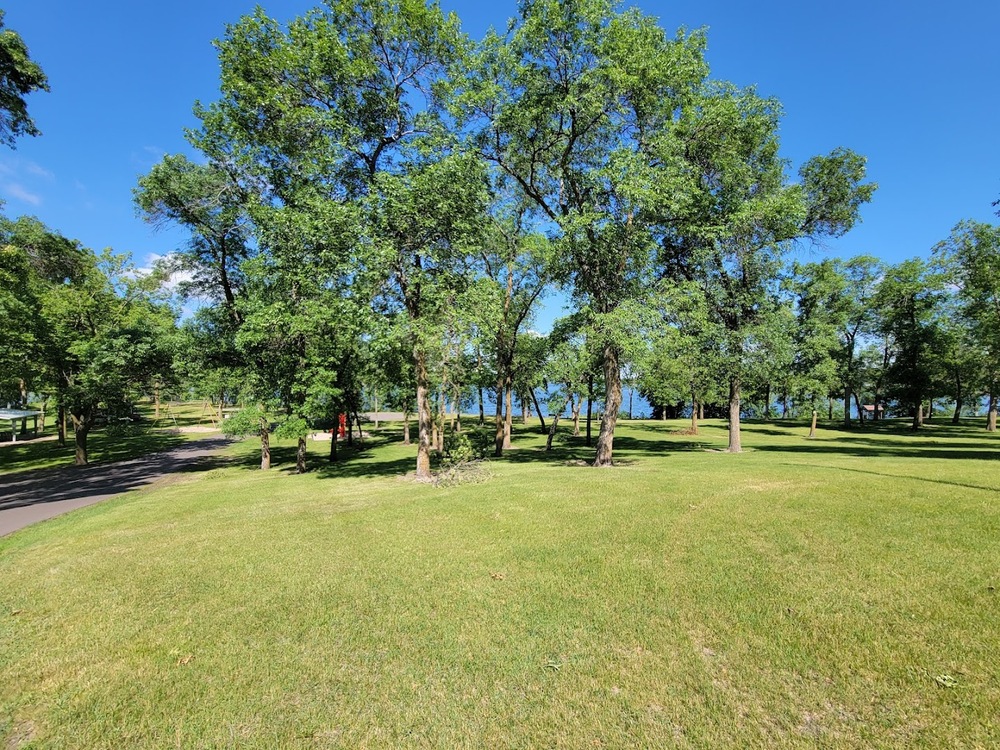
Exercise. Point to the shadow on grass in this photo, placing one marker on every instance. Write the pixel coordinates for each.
(913, 477)
(100, 480)
(102, 448)
(942, 451)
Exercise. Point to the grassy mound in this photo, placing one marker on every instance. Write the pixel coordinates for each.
(839, 592)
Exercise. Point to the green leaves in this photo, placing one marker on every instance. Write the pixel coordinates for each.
(19, 76)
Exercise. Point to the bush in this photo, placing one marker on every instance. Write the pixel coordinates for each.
(459, 449)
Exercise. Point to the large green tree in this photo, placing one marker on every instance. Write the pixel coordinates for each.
(971, 258)
(19, 77)
(338, 106)
(745, 215)
(909, 299)
(576, 104)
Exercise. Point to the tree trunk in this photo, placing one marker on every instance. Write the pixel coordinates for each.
(767, 402)
(630, 392)
(861, 412)
(482, 408)
(61, 424)
(375, 404)
(265, 445)
(830, 407)
(812, 427)
(735, 443)
(918, 416)
(555, 423)
(156, 402)
(300, 456)
(991, 412)
(576, 405)
(80, 432)
(590, 405)
(406, 427)
(612, 403)
(424, 416)
(498, 423)
(784, 406)
(222, 400)
(959, 401)
(701, 411)
(361, 434)
(847, 407)
(508, 423)
(442, 417)
(539, 409)
(333, 447)
(694, 415)
(930, 410)
(525, 410)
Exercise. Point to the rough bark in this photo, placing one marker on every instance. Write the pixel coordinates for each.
(959, 401)
(991, 413)
(918, 416)
(265, 445)
(812, 427)
(861, 412)
(498, 437)
(300, 456)
(424, 416)
(508, 425)
(735, 443)
(590, 406)
(80, 456)
(333, 446)
(577, 405)
(612, 403)
(555, 423)
(83, 420)
(847, 407)
(538, 409)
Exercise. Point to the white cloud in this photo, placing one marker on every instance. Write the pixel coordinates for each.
(19, 192)
(38, 170)
(177, 277)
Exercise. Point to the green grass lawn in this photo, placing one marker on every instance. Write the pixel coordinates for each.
(836, 592)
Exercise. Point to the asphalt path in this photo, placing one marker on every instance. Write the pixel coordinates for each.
(32, 496)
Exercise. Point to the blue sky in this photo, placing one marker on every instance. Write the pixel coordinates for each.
(912, 86)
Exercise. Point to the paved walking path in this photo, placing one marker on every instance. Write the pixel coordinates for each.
(32, 496)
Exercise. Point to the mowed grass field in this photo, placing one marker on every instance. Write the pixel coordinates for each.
(835, 592)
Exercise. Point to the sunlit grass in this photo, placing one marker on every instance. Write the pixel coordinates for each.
(835, 592)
